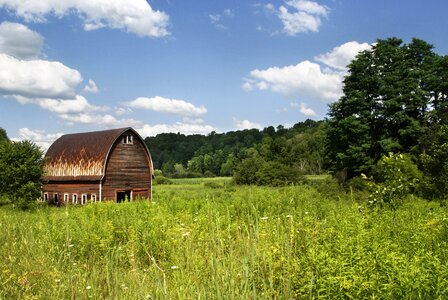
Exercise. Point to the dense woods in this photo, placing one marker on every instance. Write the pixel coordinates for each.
(289, 152)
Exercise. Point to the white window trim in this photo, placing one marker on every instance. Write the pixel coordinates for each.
(75, 198)
(128, 139)
(66, 198)
(84, 199)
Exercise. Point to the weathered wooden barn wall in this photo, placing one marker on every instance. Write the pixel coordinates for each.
(69, 188)
(128, 168)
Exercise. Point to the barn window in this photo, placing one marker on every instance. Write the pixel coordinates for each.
(46, 196)
(127, 139)
(75, 198)
(55, 198)
(65, 198)
(93, 198)
(83, 199)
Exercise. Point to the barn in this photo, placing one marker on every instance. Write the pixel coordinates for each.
(109, 165)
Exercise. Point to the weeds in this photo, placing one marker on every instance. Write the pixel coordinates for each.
(204, 242)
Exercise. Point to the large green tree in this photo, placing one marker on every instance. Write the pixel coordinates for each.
(388, 97)
(21, 169)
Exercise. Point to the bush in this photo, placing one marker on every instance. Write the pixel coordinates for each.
(162, 180)
(277, 174)
(397, 176)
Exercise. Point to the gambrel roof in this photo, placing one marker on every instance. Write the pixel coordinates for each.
(83, 156)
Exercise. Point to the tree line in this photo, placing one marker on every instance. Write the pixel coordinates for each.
(286, 152)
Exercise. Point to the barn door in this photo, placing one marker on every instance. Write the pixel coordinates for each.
(123, 196)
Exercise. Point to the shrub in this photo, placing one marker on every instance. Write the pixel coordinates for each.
(277, 174)
(162, 180)
(397, 176)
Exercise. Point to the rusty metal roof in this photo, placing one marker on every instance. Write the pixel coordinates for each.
(80, 156)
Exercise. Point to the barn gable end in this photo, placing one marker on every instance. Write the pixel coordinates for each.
(97, 166)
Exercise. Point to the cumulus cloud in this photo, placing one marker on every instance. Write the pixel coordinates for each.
(91, 87)
(308, 79)
(304, 109)
(135, 16)
(77, 105)
(104, 120)
(19, 41)
(245, 124)
(171, 106)
(184, 128)
(39, 137)
(301, 16)
(342, 55)
(37, 78)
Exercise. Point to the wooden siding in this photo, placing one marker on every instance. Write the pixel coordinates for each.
(78, 188)
(128, 169)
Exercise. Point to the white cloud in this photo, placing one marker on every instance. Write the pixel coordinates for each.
(77, 105)
(172, 106)
(135, 16)
(19, 41)
(120, 111)
(185, 128)
(308, 79)
(304, 79)
(305, 16)
(37, 78)
(304, 109)
(39, 137)
(105, 120)
(341, 56)
(245, 124)
(91, 87)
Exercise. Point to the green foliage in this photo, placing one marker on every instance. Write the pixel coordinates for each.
(199, 242)
(300, 146)
(435, 166)
(277, 174)
(160, 179)
(397, 177)
(21, 169)
(390, 96)
(3, 135)
(246, 171)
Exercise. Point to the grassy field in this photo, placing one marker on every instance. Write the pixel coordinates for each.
(198, 240)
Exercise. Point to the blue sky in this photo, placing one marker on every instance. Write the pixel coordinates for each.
(187, 66)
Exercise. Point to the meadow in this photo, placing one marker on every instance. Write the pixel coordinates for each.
(212, 240)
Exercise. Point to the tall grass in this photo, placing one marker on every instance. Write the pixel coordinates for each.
(226, 243)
